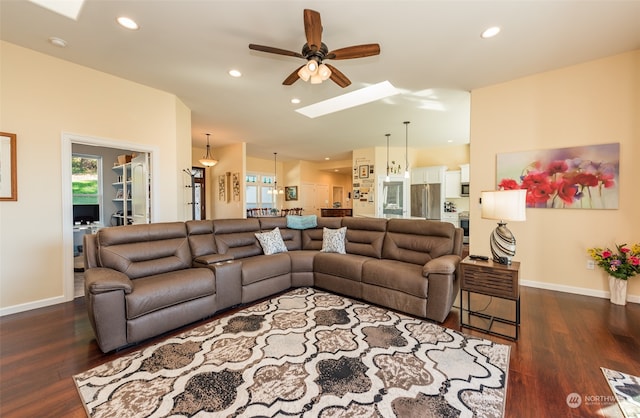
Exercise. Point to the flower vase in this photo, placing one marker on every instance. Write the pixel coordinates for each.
(618, 288)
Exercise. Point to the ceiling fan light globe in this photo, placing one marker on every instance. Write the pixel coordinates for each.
(324, 72)
(304, 74)
(312, 67)
(316, 79)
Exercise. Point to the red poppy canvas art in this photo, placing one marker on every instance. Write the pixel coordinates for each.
(578, 177)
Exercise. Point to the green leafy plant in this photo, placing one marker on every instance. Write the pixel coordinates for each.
(622, 263)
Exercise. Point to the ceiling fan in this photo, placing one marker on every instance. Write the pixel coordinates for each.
(315, 52)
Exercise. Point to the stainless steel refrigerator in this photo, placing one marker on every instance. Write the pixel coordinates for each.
(426, 201)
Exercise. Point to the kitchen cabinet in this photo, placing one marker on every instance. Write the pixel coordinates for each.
(464, 173)
(452, 184)
(451, 217)
(434, 174)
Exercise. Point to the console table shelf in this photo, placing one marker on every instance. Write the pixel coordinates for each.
(494, 280)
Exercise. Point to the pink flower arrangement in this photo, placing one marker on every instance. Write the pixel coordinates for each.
(562, 182)
(622, 264)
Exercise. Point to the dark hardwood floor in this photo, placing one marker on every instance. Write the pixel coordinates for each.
(564, 340)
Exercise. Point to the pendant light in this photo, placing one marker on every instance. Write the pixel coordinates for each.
(387, 178)
(275, 190)
(208, 160)
(406, 149)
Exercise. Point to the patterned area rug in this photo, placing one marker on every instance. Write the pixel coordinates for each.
(626, 388)
(305, 353)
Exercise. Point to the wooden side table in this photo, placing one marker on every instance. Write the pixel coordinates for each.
(490, 279)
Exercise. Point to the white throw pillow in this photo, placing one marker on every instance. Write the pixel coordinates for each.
(333, 240)
(271, 242)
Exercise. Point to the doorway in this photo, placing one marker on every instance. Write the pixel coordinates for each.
(107, 152)
(392, 200)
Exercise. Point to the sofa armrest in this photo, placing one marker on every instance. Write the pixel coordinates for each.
(446, 264)
(101, 280)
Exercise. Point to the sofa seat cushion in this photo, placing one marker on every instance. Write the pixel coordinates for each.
(348, 266)
(261, 267)
(302, 261)
(157, 292)
(396, 275)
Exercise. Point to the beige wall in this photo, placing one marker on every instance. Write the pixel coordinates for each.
(42, 97)
(592, 103)
(231, 159)
(451, 156)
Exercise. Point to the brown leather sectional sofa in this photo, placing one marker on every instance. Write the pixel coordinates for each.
(144, 280)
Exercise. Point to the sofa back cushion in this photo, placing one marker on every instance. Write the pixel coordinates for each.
(312, 237)
(292, 237)
(201, 239)
(144, 250)
(365, 236)
(417, 241)
(237, 237)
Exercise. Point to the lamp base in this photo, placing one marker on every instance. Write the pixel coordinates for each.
(503, 244)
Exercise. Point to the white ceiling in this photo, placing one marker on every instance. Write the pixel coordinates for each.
(430, 50)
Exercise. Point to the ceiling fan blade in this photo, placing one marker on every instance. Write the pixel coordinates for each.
(293, 77)
(356, 51)
(313, 29)
(273, 50)
(337, 76)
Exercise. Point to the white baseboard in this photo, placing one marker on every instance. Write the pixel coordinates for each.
(576, 290)
(31, 305)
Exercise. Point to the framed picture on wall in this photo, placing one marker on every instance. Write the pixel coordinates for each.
(8, 179)
(364, 171)
(291, 193)
(222, 188)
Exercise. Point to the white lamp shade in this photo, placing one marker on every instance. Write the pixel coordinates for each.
(208, 162)
(504, 205)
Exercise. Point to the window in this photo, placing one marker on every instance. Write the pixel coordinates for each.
(86, 182)
(259, 191)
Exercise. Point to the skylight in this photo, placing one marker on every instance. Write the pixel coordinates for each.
(68, 8)
(349, 100)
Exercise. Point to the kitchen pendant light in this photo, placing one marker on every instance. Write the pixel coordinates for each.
(406, 149)
(387, 178)
(275, 190)
(208, 160)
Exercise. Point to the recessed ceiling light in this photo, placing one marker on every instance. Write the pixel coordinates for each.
(327, 158)
(235, 73)
(61, 43)
(127, 22)
(295, 100)
(490, 33)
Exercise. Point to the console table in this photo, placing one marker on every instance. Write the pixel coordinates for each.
(494, 280)
(336, 212)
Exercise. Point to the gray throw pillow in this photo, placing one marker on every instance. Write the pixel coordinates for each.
(333, 240)
(271, 242)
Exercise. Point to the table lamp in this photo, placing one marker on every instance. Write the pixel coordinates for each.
(503, 205)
